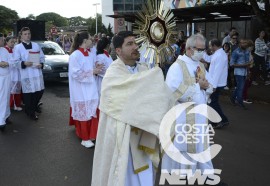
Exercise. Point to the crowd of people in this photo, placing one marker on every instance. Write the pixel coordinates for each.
(117, 103)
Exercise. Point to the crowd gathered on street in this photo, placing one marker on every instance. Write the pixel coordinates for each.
(117, 102)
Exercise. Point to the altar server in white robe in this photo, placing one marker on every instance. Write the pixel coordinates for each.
(83, 90)
(104, 58)
(4, 85)
(187, 78)
(15, 97)
(31, 59)
(133, 102)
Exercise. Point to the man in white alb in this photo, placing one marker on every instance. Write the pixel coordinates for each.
(31, 59)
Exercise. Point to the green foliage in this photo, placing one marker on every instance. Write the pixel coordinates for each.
(31, 17)
(91, 23)
(77, 21)
(109, 30)
(7, 18)
(54, 18)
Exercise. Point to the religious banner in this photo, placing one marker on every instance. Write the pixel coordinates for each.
(183, 3)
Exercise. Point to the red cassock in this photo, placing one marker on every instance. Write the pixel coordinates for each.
(85, 129)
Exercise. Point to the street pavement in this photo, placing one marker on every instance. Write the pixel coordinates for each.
(47, 151)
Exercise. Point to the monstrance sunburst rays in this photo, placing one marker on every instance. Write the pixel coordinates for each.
(155, 26)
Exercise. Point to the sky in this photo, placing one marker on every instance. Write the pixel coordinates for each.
(65, 8)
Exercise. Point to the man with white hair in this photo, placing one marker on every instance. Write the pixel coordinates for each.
(187, 78)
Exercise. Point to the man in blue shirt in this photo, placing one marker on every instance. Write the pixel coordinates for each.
(240, 62)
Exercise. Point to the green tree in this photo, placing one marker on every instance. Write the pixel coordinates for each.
(31, 17)
(77, 21)
(262, 15)
(54, 18)
(91, 22)
(7, 18)
(109, 30)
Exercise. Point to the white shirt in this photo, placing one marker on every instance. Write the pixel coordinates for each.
(218, 70)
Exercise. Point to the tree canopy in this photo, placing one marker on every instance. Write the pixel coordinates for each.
(77, 21)
(7, 18)
(54, 18)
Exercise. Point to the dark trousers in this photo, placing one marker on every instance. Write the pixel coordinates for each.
(238, 92)
(246, 87)
(215, 103)
(230, 78)
(260, 67)
(31, 101)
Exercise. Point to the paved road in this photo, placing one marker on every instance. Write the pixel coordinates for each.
(47, 152)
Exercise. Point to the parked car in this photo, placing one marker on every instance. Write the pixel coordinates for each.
(56, 61)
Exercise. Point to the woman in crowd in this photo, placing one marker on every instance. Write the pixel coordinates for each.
(104, 58)
(250, 73)
(83, 89)
(66, 44)
(259, 59)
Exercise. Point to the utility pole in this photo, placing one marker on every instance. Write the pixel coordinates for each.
(96, 15)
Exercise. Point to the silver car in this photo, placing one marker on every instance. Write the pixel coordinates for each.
(56, 61)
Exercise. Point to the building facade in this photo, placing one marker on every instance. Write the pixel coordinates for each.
(115, 7)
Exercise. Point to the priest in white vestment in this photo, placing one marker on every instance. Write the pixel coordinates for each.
(132, 105)
(31, 58)
(4, 85)
(187, 78)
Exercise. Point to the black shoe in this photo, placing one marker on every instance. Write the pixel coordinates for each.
(219, 184)
(38, 110)
(39, 104)
(33, 117)
(8, 121)
(213, 124)
(221, 124)
(2, 128)
(242, 106)
(232, 100)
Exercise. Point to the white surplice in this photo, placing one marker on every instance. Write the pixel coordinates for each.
(192, 94)
(82, 86)
(14, 73)
(4, 88)
(102, 59)
(31, 77)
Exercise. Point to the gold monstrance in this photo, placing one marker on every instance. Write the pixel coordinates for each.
(155, 25)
